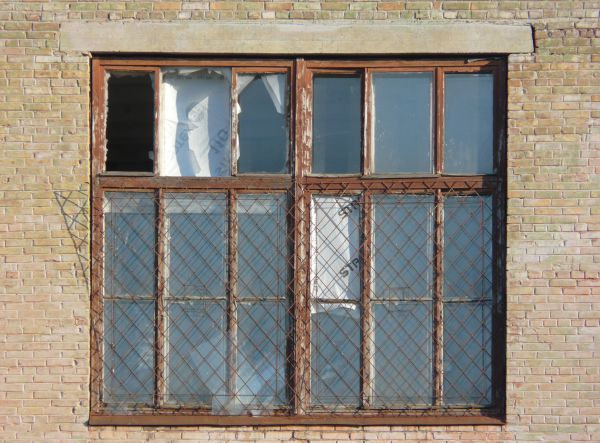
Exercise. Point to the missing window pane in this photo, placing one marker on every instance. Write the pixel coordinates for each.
(336, 124)
(130, 122)
(263, 123)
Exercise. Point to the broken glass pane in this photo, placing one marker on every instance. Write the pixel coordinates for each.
(469, 124)
(403, 116)
(263, 123)
(196, 122)
(337, 125)
(130, 122)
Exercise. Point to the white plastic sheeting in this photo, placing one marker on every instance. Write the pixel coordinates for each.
(195, 122)
(334, 249)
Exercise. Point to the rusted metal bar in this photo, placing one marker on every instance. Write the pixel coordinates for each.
(232, 324)
(438, 304)
(281, 183)
(159, 320)
(367, 336)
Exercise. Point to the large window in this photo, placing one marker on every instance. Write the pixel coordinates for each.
(297, 241)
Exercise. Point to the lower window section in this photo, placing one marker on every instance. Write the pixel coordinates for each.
(199, 309)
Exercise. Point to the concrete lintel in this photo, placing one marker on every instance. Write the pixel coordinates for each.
(354, 38)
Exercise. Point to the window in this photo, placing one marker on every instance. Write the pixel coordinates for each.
(297, 241)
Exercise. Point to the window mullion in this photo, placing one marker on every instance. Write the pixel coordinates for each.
(160, 329)
(367, 336)
(232, 321)
(438, 308)
(438, 122)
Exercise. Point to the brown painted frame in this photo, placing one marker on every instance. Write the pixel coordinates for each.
(300, 183)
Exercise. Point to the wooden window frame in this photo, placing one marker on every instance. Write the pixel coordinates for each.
(300, 183)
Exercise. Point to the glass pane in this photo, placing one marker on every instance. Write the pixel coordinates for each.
(130, 122)
(263, 123)
(335, 354)
(468, 247)
(403, 136)
(129, 243)
(128, 352)
(468, 353)
(403, 246)
(337, 126)
(262, 246)
(195, 122)
(196, 250)
(261, 359)
(469, 124)
(196, 353)
(335, 242)
(403, 355)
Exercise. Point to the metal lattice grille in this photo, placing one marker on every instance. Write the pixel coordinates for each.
(203, 307)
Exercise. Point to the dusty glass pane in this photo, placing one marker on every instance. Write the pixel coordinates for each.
(195, 122)
(129, 243)
(128, 352)
(337, 125)
(403, 366)
(261, 361)
(263, 123)
(335, 354)
(262, 246)
(469, 124)
(468, 247)
(334, 247)
(403, 246)
(130, 122)
(403, 115)
(196, 249)
(196, 353)
(467, 353)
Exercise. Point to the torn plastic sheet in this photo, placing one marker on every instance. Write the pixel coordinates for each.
(334, 251)
(195, 122)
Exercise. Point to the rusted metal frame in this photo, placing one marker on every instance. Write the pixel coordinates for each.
(192, 62)
(368, 143)
(261, 70)
(98, 118)
(157, 92)
(96, 302)
(159, 304)
(281, 182)
(424, 184)
(395, 63)
(438, 304)
(180, 419)
(232, 278)
(367, 369)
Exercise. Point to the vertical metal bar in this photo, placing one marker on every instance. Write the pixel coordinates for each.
(368, 148)
(438, 305)
(97, 288)
(367, 336)
(160, 323)
(99, 92)
(439, 121)
(232, 295)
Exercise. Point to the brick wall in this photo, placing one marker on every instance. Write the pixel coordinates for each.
(553, 355)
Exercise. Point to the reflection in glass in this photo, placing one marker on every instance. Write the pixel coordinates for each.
(129, 244)
(402, 133)
(262, 245)
(197, 244)
(403, 246)
(128, 352)
(335, 354)
(263, 123)
(469, 124)
(403, 353)
(337, 125)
